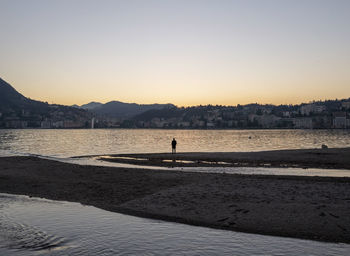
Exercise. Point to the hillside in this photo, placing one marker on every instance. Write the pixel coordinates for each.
(119, 109)
(18, 111)
(91, 105)
(12, 101)
(327, 114)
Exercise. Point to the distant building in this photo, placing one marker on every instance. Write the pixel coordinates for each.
(286, 114)
(253, 117)
(45, 124)
(346, 104)
(230, 123)
(339, 120)
(16, 124)
(25, 113)
(184, 124)
(198, 123)
(229, 115)
(311, 108)
(286, 122)
(210, 125)
(158, 123)
(57, 124)
(303, 123)
(267, 121)
(266, 110)
(72, 124)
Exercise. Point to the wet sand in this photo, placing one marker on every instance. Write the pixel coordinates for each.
(334, 158)
(303, 207)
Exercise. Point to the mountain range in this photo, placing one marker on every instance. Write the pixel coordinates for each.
(18, 111)
(13, 103)
(119, 109)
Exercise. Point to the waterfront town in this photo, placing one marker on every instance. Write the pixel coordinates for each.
(332, 114)
(55, 117)
(321, 115)
(20, 112)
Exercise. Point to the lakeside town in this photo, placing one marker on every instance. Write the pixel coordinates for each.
(332, 114)
(317, 115)
(20, 112)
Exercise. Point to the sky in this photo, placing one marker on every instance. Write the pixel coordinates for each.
(185, 52)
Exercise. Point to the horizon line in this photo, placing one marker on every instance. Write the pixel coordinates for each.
(185, 105)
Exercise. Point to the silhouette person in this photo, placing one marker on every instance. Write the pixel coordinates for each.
(173, 146)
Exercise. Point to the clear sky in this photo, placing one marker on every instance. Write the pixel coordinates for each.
(187, 52)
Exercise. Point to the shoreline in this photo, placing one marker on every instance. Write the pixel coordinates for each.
(330, 158)
(316, 208)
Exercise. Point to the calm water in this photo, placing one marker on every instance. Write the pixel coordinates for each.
(66, 143)
(62, 144)
(31, 226)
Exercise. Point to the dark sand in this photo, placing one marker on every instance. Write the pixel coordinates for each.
(304, 207)
(335, 158)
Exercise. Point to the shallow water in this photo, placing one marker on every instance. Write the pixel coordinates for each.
(67, 143)
(94, 161)
(271, 171)
(32, 226)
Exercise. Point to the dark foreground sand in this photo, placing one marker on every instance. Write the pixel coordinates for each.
(303, 207)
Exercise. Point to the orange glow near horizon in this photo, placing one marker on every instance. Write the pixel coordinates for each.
(181, 52)
(72, 95)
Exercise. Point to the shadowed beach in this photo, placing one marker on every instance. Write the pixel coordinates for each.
(315, 208)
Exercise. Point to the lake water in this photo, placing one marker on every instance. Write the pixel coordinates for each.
(62, 144)
(32, 226)
(67, 143)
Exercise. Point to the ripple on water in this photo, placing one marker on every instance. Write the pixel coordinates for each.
(120, 141)
(31, 226)
(21, 236)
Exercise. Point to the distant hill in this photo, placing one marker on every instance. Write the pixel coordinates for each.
(13, 101)
(91, 105)
(18, 111)
(119, 109)
(170, 112)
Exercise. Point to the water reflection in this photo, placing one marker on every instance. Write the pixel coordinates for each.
(73, 229)
(66, 143)
(95, 161)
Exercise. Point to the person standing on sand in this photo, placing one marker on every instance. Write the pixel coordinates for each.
(173, 146)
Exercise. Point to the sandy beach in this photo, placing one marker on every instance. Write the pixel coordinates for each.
(315, 208)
